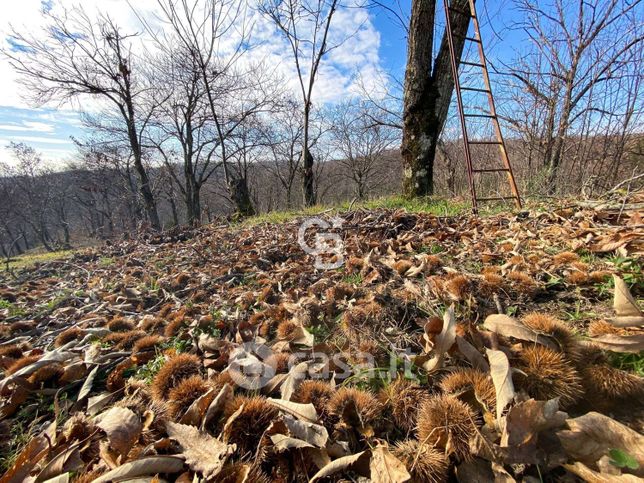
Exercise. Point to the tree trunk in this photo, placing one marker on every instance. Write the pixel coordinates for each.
(427, 94)
(307, 163)
(146, 191)
(240, 195)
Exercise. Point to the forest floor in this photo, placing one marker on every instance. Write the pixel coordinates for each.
(420, 344)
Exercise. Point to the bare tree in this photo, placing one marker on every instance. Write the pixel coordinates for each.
(305, 24)
(202, 29)
(361, 143)
(81, 56)
(578, 50)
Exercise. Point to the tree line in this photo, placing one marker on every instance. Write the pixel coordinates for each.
(191, 125)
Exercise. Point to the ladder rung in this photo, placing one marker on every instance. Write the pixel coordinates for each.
(475, 89)
(491, 170)
(471, 39)
(500, 198)
(462, 12)
(473, 64)
(484, 142)
(489, 116)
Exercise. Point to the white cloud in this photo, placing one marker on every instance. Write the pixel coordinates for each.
(34, 139)
(28, 126)
(356, 57)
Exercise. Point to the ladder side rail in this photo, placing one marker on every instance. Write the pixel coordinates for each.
(495, 120)
(459, 101)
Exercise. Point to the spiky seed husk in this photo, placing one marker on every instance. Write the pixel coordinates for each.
(522, 282)
(240, 471)
(175, 370)
(468, 378)
(602, 382)
(287, 329)
(128, 339)
(564, 258)
(20, 363)
(188, 391)
(48, 373)
(402, 398)
(557, 329)
(120, 324)
(316, 392)
(598, 328)
(346, 402)
(247, 428)
(446, 423)
(424, 463)
(73, 333)
(13, 351)
(547, 374)
(578, 278)
(148, 342)
(457, 287)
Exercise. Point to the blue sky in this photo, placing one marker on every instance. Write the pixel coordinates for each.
(380, 45)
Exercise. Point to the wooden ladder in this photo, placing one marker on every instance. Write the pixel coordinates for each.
(491, 115)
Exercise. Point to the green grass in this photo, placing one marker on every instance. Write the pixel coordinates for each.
(31, 259)
(433, 205)
(628, 362)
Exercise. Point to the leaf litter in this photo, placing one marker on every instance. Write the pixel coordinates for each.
(444, 347)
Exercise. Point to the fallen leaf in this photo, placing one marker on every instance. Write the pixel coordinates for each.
(472, 354)
(591, 476)
(633, 344)
(123, 428)
(284, 443)
(304, 412)
(204, 454)
(510, 327)
(502, 379)
(441, 343)
(314, 434)
(87, 385)
(151, 466)
(342, 464)
(594, 435)
(217, 405)
(624, 304)
(386, 468)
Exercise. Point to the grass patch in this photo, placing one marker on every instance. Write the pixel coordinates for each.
(628, 362)
(31, 259)
(433, 205)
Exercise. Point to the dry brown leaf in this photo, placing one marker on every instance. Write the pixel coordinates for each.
(217, 405)
(438, 345)
(591, 476)
(195, 413)
(627, 312)
(35, 450)
(87, 385)
(292, 381)
(619, 343)
(204, 454)
(284, 443)
(122, 426)
(593, 435)
(150, 466)
(354, 461)
(523, 424)
(502, 378)
(472, 354)
(386, 468)
(304, 412)
(510, 327)
(314, 434)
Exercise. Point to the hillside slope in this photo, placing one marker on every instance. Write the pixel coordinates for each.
(224, 352)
